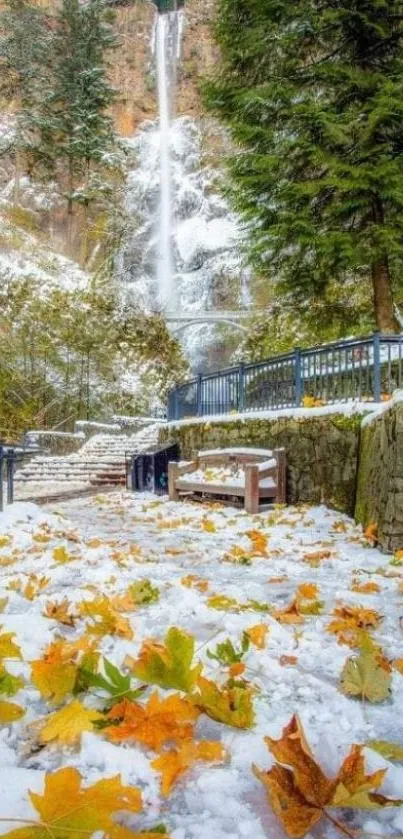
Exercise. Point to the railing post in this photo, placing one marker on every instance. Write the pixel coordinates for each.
(10, 477)
(199, 387)
(176, 404)
(377, 367)
(241, 387)
(298, 377)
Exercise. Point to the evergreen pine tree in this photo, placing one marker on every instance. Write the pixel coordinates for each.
(312, 91)
(77, 132)
(24, 47)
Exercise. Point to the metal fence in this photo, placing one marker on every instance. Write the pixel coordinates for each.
(360, 369)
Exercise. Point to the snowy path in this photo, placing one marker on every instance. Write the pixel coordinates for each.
(112, 541)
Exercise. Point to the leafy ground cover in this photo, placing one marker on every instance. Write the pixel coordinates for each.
(198, 672)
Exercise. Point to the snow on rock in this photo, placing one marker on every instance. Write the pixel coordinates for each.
(345, 408)
(117, 539)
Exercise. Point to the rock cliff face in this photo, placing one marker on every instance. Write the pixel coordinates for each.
(132, 67)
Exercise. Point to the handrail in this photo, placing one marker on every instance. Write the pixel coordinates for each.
(367, 368)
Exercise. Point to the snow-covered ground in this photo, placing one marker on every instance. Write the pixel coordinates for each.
(192, 553)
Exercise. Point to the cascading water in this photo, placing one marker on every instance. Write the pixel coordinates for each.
(182, 249)
(168, 43)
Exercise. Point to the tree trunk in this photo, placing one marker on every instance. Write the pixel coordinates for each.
(385, 317)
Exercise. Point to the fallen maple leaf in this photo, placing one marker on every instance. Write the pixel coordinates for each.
(68, 809)
(259, 541)
(174, 763)
(55, 674)
(258, 634)
(365, 588)
(350, 622)
(208, 526)
(9, 684)
(314, 558)
(391, 751)
(398, 665)
(367, 675)
(299, 791)
(8, 649)
(60, 612)
(66, 726)
(106, 620)
(155, 723)
(230, 705)
(288, 660)
(371, 533)
(192, 581)
(168, 665)
(9, 712)
(307, 591)
(62, 556)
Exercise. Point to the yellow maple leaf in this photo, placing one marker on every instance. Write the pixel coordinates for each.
(62, 556)
(55, 674)
(4, 541)
(398, 665)
(208, 526)
(8, 649)
(66, 726)
(68, 809)
(106, 620)
(257, 635)
(174, 763)
(9, 712)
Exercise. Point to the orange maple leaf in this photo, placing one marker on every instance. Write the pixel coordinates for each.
(365, 588)
(371, 533)
(157, 722)
(350, 622)
(174, 763)
(259, 541)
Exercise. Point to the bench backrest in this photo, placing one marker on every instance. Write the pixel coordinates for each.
(225, 457)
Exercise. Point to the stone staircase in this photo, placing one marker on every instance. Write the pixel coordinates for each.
(100, 462)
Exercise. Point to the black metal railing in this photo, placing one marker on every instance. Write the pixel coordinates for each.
(357, 369)
(9, 456)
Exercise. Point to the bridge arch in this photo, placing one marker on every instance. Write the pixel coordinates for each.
(180, 327)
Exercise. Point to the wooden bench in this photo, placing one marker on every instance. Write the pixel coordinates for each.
(264, 476)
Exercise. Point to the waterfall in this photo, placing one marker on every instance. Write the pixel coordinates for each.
(168, 34)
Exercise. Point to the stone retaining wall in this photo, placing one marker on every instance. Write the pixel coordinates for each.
(380, 477)
(322, 451)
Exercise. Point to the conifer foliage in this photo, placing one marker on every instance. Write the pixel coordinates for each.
(312, 93)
